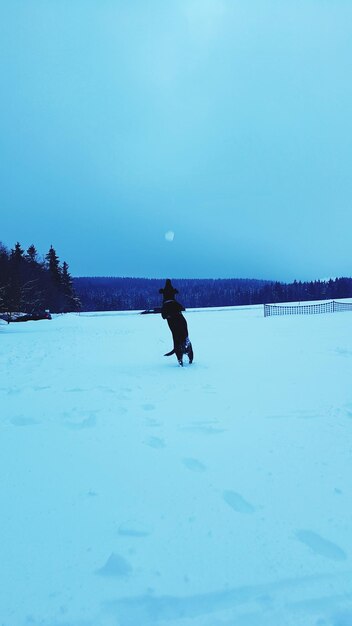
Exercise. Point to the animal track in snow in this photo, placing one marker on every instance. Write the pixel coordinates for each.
(13, 391)
(348, 409)
(21, 420)
(255, 604)
(106, 389)
(237, 502)
(321, 546)
(153, 423)
(87, 422)
(343, 352)
(194, 465)
(156, 442)
(115, 566)
(134, 529)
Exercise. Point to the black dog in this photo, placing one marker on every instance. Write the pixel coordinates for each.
(172, 312)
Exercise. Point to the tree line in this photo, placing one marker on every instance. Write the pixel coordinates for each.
(29, 284)
(112, 294)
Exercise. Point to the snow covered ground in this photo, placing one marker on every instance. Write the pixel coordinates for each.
(137, 493)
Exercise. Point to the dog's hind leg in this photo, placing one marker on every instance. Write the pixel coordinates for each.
(179, 354)
(190, 353)
(188, 349)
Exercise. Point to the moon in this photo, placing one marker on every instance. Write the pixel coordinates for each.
(169, 235)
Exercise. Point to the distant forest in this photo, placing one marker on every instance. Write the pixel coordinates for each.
(29, 284)
(111, 294)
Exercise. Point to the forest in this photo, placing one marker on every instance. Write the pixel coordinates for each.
(109, 293)
(32, 284)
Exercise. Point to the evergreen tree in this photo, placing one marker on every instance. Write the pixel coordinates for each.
(72, 302)
(16, 279)
(17, 253)
(55, 300)
(3, 275)
(53, 265)
(31, 254)
(30, 286)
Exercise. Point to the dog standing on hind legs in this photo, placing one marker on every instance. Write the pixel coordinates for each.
(171, 311)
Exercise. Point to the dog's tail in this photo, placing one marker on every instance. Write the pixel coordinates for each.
(170, 353)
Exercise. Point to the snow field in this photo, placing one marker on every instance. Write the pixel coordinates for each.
(138, 493)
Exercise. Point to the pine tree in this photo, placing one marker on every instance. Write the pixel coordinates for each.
(31, 254)
(28, 285)
(53, 264)
(55, 300)
(72, 302)
(3, 276)
(17, 252)
(16, 278)
(66, 277)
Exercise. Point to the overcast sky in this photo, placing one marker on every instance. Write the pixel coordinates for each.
(227, 122)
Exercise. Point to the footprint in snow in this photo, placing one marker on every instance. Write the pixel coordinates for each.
(148, 407)
(88, 422)
(349, 411)
(156, 442)
(343, 352)
(106, 389)
(321, 546)
(115, 566)
(237, 502)
(153, 423)
(194, 465)
(21, 420)
(13, 391)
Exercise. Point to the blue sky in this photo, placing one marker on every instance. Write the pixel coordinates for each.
(225, 121)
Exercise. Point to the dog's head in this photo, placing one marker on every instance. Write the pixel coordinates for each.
(168, 291)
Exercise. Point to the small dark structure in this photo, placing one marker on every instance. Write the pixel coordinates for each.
(157, 309)
(306, 309)
(26, 317)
